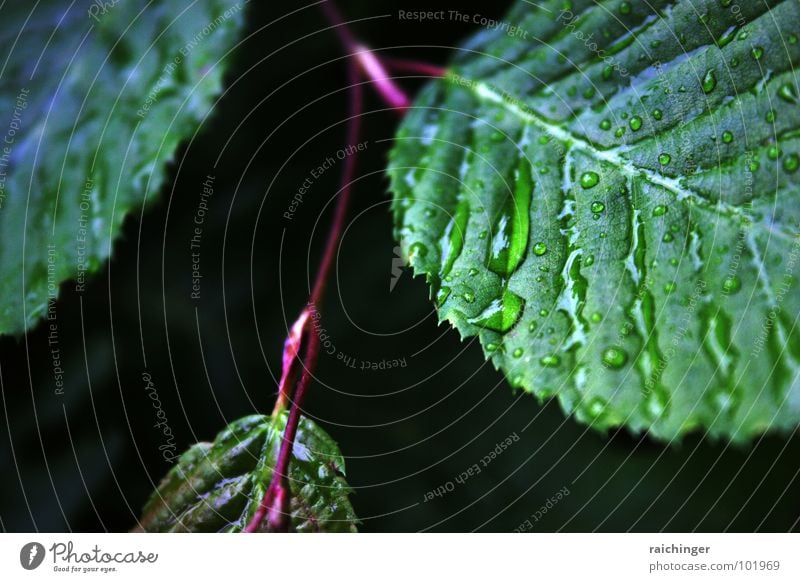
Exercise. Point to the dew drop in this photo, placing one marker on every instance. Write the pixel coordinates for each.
(635, 123)
(539, 249)
(472, 272)
(664, 159)
(550, 361)
(670, 287)
(595, 407)
(597, 207)
(659, 210)
(757, 52)
(773, 152)
(770, 116)
(657, 114)
(517, 353)
(543, 312)
(417, 249)
(731, 284)
(605, 125)
(620, 132)
(532, 327)
(791, 163)
(667, 237)
(589, 180)
(596, 317)
(491, 347)
(589, 261)
(709, 81)
(614, 357)
(469, 297)
(442, 296)
(625, 7)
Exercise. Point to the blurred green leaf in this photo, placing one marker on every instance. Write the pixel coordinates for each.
(95, 102)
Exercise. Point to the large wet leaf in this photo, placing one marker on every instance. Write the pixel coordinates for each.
(608, 197)
(96, 97)
(217, 487)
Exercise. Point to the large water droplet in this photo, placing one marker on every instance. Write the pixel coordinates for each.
(635, 123)
(614, 357)
(709, 81)
(589, 180)
(550, 361)
(501, 314)
(664, 159)
(539, 249)
(791, 163)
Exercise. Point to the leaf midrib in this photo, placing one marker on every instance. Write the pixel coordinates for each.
(486, 93)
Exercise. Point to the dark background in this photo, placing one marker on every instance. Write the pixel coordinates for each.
(88, 460)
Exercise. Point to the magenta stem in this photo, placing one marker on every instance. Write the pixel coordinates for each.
(275, 505)
(416, 67)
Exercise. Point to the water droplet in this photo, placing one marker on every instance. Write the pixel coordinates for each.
(770, 116)
(657, 402)
(469, 297)
(667, 237)
(731, 284)
(608, 70)
(532, 327)
(792, 39)
(539, 249)
(442, 296)
(543, 312)
(635, 123)
(664, 159)
(757, 52)
(491, 347)
(727, 137)
(588, 261)
(620, 132)
(734, 62)
(614, 357)
(657, 114)
(625, 7)
(791, 163)
(417, 249)
(595, 407)
(517, 353)
(482, 235)
(596, 317)
(659, 210)
(753, 166)
(589, 180)
(605, 125)
(669, 287)
(709, 81)
(501, 314)
(597, 207)
(773, 152)
(550, 361)
(788, 93)
(473, 271)
(588, 93)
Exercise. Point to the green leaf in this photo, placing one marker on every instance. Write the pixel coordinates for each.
(217, 487)
(95, 102)
(620, 228)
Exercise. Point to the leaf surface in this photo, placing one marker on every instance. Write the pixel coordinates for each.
(608, 198)
(95, 101)
(217, 487)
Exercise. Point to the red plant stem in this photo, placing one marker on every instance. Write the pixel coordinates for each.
(275, 505)
(409, 66)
